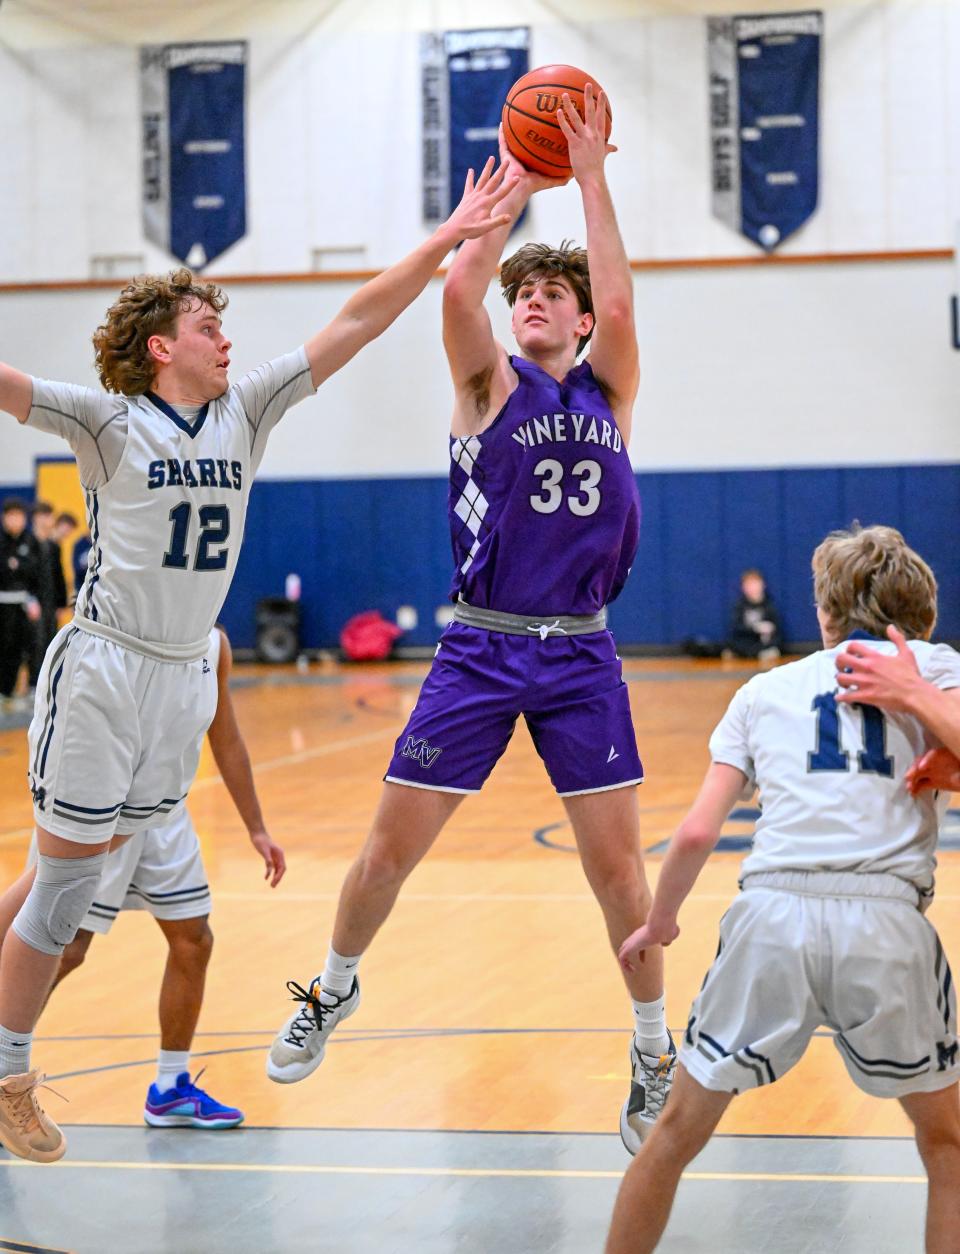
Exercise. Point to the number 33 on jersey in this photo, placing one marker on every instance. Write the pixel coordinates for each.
(544, 509)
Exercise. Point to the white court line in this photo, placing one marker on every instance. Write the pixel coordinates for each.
(528, 1173)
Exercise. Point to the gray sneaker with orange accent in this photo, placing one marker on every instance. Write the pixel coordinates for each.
(25, 1129)
(649, 1088)
(299, 1046)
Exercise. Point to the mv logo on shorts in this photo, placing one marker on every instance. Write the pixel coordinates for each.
(418, 749)
(946, 1055)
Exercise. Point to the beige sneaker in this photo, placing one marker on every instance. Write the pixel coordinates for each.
(25, 1130)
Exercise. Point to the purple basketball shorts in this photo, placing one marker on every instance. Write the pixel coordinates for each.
(570, 690)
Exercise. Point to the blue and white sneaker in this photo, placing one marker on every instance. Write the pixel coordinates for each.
(187, 1106)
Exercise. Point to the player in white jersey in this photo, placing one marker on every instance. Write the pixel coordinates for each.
(828, 930)
(123, 698)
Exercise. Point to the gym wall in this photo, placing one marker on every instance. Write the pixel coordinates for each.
(778, 400)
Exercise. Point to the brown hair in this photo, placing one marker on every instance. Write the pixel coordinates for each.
(868, 578)
(149, 305)
(541, 261)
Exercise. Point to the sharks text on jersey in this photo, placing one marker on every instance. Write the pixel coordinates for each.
(202, 472)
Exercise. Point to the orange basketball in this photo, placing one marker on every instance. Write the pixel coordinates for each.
(530, 125)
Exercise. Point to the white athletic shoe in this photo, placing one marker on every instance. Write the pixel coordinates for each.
(649, 1088)
(299, 1046)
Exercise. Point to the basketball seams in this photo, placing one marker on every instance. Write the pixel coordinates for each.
(562, 167)
(534, 117)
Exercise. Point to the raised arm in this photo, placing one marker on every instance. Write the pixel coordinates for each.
(16, 392)
(482, 377)
(613, 349)
(692, 844)
(233, 762)
(378, 303)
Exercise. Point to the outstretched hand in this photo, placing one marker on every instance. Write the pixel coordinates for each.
(527, 181)
(475, 216)
(586, 136)
(631, 951)
(936, 769)
(274, 861)
(869, 677)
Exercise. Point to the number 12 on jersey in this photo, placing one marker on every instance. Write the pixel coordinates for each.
(829, 754)
(214, 529)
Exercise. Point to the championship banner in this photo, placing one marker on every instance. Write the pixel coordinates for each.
(764, 122)
(465, 77)
(194, 184)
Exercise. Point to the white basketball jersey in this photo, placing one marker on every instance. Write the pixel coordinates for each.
(167, 499)
(830, 775)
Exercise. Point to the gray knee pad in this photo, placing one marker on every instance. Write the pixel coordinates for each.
(62, 893)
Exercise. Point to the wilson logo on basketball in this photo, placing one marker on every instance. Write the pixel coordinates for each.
(547, 103)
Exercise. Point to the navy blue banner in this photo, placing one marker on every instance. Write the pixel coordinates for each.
(193, 103)
(765, 122)
(465, 78)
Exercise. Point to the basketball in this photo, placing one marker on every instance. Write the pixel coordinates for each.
(530, 125)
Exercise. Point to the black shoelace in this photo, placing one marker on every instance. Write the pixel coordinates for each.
(310, 1017)
(305, 1022)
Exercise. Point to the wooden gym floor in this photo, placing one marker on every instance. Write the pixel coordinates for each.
(472, 1103)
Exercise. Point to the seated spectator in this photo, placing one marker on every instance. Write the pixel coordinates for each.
(755, 629)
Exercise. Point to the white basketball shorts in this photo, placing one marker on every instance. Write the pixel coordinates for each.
(826, 950)
(160, 870)
(115, 736)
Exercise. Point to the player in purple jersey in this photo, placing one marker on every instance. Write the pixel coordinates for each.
(544, 517)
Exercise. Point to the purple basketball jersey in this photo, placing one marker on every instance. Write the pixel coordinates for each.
(544, 509)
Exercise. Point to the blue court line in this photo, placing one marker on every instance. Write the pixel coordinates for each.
(399, 1034)
(732, 842)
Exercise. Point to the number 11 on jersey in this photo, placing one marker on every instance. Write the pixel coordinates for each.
(829, 754)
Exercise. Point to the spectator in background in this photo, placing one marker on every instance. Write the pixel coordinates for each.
(53, 584)
(64, 527)
(755, 629)
(19, 593)
(78, 560)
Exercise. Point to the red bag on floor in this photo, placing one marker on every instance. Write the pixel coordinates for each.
(368, 636)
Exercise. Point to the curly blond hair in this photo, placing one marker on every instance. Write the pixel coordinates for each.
(149, 305)
(538, 261)
(868, 578)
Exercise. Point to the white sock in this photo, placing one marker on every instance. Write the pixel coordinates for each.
(651, 1033)
(14, 1052)
(171, 1063)
(338, 974)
